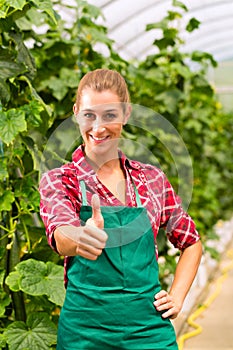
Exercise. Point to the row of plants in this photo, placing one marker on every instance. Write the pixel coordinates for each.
(42, 59)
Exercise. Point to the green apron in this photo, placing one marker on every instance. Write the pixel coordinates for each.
(109, 301)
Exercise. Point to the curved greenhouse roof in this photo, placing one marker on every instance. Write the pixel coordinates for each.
(126, 21)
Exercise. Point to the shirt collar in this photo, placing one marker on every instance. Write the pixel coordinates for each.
(85, 171)
(83, 168)
(127, 163)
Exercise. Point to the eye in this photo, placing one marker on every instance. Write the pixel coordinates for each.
(110, 117)
(88, 116)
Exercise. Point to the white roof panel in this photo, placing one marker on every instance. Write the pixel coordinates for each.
(126, 21)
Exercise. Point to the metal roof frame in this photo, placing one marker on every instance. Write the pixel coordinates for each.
(126, 22)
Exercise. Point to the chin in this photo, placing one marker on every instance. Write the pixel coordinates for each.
(102, 149)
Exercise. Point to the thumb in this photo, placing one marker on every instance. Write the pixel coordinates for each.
(97, 217)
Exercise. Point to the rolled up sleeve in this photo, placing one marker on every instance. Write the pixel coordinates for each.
(179, 226)
(56, 208)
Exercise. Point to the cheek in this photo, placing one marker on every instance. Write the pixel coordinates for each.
(83, 127)
(119, 129)
(83, 131)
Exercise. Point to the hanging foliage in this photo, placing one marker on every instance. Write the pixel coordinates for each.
(42, 59)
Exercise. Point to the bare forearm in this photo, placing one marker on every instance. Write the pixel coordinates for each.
(87, 241)
(64, 243)
(171, 303)
(185, 272)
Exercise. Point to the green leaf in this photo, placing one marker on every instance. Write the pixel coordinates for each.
(24, 55)
(24, 187)
(12, 281)
(170, 33)
(39, 333)
(2, 15)
(6, 200)
(180, 4)
(12, 123)
(35, 154)
(172, 15)
(33, 113)
(5, 92)
(36, 96)
(31, 204)
(164, 43)
(38, 278)
(11, 16)
(170, 99)
(199, 56)
(3, 169)
(2, 273)
(8, 67)
(16, 4)
(46, 6)
(192, 25)
(2, 254)
(156, 25)
(58, 87)
(55, 277)
(181, 69)
(97, 35)
(69, 77)
(2, 341)
(5, 300)
(92, 10)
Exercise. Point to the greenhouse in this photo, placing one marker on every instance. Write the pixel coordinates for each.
(161, 155)
(126, 22)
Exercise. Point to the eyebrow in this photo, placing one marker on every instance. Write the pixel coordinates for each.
(106, 110)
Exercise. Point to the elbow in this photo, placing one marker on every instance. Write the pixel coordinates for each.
(195, 250)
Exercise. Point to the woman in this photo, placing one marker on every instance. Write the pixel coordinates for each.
(102, 212)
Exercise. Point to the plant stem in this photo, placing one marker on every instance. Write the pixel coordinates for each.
(17, 297)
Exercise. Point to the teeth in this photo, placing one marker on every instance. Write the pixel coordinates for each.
(98, 138)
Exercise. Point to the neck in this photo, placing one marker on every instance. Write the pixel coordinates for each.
(104, 163)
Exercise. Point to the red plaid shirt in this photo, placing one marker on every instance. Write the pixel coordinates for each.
(61, 199)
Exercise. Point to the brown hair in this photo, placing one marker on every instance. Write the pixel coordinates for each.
(104, 79)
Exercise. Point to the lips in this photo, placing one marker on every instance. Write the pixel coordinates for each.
(99, 139)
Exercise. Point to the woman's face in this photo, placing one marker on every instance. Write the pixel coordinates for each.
(100, 118)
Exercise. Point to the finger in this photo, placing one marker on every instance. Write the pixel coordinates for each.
(170, 312)
(161, 294)
(95, 232)
(95, 203)
(163, 301)
(97, 241)
(91, 254)
(96, 211)
(164, 305)
(71, 232)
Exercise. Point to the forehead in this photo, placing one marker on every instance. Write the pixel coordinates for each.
(91, 98)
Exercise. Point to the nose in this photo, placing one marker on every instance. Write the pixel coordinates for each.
(98, 124)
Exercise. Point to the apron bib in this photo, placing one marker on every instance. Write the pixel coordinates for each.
(109, 301)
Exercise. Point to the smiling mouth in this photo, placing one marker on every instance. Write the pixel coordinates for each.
(99, 139)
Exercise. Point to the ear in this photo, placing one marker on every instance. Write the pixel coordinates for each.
(127, 113)
(75, 109)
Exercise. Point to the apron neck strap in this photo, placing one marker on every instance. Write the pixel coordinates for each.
(84, 194)
(138, 200)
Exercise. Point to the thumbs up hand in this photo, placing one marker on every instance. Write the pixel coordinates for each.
(97, 218)
(93, 238)
(87, 241)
